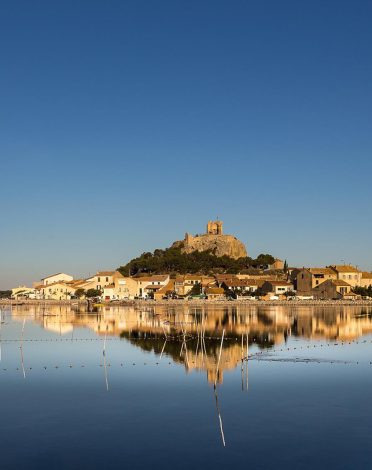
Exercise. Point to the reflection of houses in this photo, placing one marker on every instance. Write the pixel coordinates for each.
(148, 327)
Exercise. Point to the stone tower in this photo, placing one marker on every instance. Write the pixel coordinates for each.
(214, 227)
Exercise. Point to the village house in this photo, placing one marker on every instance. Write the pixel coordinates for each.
(366, 279)
(59, 277)
(215, 293)
(332, 289)
(166, 290)
(184, 283)
(125, 287)
(308, 278)
(100, 280)
(23, 292)
(278, 264)
(56, 291)
(276, 287)
(221, 278)
(242, 287)
(148, 285)
(348, 273)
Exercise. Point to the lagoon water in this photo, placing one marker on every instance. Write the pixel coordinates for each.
(125, 387)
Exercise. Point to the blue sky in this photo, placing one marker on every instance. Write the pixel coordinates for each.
(124, 124)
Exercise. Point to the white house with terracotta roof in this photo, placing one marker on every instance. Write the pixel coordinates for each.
(56, 278)
(56, 291)
(147, 285)
(277, 287)
(100, 280)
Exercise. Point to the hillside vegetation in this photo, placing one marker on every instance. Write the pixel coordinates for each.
(172, 260)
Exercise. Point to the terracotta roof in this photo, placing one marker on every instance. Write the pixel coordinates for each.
(155, 278)
(226, 276)
(185, 277)
(243, 282)
(110, 286)
(214, 290)
(105, 273)
(345, 268)
(339, 282)
(279, 283)
(167, 287)
(154, 286)
(366, 275)
(52, 275)
(321, 270)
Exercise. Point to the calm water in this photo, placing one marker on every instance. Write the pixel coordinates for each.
(126, 388)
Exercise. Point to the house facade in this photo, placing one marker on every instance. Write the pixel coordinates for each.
(366, 279)
(146, 285)
(308, 278)
(332, 289)
(56, 291)
(276, 287)
(56, 278)
(348, 273)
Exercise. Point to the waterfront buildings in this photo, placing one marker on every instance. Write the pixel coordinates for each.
(331, 282)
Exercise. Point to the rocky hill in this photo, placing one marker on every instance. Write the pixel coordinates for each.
(214, 241)
(219, 245)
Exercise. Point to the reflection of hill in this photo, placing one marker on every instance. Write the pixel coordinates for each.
(194, 354)
(147, 327)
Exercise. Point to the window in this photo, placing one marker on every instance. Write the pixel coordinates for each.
(106, 279)
(99, 279)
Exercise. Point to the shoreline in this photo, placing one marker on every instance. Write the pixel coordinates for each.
(181, 302)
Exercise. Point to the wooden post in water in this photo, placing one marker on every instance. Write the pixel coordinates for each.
(246, 365)
(219, 358)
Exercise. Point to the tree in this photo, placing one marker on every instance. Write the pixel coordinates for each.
(196, 289)
(285, 267)
(290, 293)
(80, 293)
(205, 262)
(5, 294)
(93, 293)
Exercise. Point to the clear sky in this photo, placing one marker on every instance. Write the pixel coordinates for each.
(124, 124)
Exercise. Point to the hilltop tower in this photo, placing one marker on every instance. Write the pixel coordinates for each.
(215, 227)
(215, 241)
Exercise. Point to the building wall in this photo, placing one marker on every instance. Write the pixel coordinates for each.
(365, 281)
(59, 291)
(304, 282)
(56, 278)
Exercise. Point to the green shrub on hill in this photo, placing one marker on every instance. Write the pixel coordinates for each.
(172, 260)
